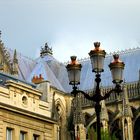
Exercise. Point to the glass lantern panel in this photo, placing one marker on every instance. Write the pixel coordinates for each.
(97, 63)
(74, 76)
(117, 74)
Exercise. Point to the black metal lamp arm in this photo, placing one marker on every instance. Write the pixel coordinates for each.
(76, 91)
(97, 97)
(108, 94)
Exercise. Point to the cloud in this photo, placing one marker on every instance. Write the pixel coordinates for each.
(70, 26)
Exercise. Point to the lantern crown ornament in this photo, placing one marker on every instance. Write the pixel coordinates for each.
(116, 68)
(73, 60)
(97, 57)
(74, 71)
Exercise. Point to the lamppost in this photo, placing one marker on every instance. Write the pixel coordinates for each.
(97, 57)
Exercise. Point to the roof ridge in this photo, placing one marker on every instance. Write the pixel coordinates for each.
(125, 51)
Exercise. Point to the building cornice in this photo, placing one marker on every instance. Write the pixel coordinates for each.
(24, 87)
(26, 113)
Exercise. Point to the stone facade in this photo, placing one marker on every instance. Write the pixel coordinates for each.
(21, 110)
(30, 111)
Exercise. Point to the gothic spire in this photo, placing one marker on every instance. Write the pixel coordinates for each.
(15, 64)
(15, 57)
(0, 35)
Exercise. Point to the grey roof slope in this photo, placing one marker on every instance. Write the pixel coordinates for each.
(131, 58)
(60, 72)
(29, 68)
(42, 68)
(56, 73)
(4, 77)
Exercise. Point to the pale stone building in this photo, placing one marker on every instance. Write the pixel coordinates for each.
(36, 110)
(36, 104)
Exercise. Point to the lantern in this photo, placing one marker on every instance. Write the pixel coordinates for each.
(116, 68)
(74, 71)
(97, 57)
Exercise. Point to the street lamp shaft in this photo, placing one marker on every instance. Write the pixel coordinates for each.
(98, 106)
(98, 110)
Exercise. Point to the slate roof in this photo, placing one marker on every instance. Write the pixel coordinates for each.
(43, 68)
(4, 77)
(130, 57)
(55, 72)
(29, 68)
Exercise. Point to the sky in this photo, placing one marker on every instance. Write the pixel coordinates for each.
(69, 26)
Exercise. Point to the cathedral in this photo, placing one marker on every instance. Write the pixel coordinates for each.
(36, 101)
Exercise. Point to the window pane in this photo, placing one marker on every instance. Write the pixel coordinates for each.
(22, 135)
(35, 137)
(8, 134)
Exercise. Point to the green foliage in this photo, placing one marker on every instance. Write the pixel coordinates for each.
(105, 135)
(92, 134)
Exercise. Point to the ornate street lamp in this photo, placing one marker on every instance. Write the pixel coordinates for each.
(117, 68)
(74, 71)
(97, 57)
